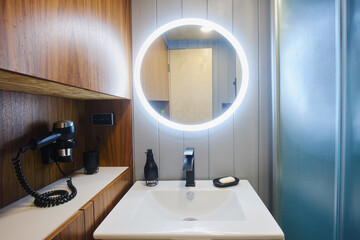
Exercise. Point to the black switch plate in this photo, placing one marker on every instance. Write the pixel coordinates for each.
(103, 119)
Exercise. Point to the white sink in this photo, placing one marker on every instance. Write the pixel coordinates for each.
(172, 211)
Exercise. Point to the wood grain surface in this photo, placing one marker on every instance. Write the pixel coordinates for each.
(105, 201)
(115, 148)
(80, 43)
(155, 71)
(26, 116)
(72, 229)
(89, 219)
(12, 81)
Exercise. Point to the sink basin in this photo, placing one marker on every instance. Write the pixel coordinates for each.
(189, 205)
(172, 211)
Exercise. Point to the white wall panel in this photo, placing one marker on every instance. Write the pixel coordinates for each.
(220, 12)
(198, 140)
(171, 141)
(221, 145)
(265, 106)
(234, 147)
(246, 128)
(221, 149)
(171, 153)
(144, 126)
(168, 10)
(195, 9)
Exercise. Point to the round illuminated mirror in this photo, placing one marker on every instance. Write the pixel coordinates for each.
(191, 74)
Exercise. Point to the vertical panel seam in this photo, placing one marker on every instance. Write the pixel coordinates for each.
(208, 130)
(258, 90)
(157, 122)
(183, 134)
(182, 9)
(207, 9)
(233, 117)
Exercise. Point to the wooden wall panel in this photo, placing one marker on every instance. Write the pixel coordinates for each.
(86, 44)
(115, 147)
(26, 116)
(81, 43)
(23, 117)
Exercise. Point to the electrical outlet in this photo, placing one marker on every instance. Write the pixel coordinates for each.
(103, 119)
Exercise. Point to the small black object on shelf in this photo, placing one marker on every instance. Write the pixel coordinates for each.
(217, 182)
(91, 159)
(150, 170)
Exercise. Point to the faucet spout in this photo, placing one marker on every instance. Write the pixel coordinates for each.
(188, 163)
(189, 167)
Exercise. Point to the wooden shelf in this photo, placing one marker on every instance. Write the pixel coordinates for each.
(11, 81)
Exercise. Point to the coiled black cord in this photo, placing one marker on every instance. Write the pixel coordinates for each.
(47, 199)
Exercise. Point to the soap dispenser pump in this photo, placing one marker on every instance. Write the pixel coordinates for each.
(150, 169)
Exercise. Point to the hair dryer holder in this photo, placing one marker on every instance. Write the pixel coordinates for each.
(58, 151)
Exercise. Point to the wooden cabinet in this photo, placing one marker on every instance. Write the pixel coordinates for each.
(106, 200)
(80, 44)
(73, 229)
(89, 222)
(82, 224)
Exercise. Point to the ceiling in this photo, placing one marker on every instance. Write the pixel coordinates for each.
(191, 32)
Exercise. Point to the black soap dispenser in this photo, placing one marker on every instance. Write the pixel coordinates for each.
(150, 170)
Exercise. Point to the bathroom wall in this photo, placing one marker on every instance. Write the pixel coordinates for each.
(241, 146)
(26, 116)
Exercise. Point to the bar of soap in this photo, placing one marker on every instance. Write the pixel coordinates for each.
(227, 180)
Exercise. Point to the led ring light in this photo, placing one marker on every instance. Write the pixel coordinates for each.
(183, 22)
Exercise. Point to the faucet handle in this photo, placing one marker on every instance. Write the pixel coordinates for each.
(189, 152)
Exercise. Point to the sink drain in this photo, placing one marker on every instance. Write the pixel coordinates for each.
(190, 219)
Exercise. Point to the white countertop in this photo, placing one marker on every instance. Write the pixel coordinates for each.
(22, 220)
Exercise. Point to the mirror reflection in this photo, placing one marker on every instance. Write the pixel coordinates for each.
(191, 75)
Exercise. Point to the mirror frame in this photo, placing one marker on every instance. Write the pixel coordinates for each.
(200, 22)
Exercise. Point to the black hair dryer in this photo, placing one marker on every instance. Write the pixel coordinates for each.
(57, 147)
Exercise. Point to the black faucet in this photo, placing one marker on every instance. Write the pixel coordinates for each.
(189, 167)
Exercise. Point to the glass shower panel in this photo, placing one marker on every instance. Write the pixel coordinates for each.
(306, 153)
(350, 207)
